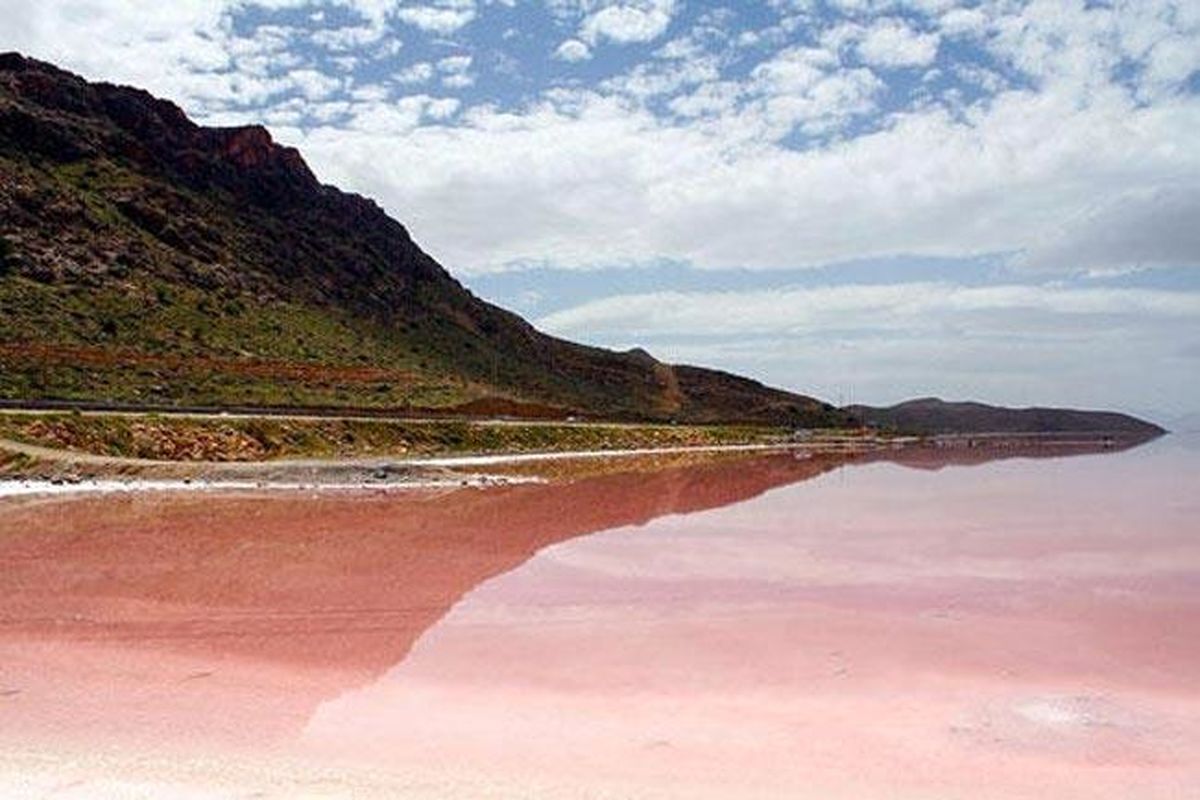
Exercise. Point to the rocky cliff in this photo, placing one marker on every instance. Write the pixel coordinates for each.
(146, 259)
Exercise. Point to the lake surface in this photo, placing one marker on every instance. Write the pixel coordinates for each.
(941, 626)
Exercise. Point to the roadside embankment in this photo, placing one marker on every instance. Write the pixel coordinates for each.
(251, 439)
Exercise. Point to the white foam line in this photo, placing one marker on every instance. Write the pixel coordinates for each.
(21, 488)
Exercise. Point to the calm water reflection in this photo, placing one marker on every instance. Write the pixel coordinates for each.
(765, 628)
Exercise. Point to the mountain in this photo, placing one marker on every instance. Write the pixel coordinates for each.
(145, 259)
(930, 415)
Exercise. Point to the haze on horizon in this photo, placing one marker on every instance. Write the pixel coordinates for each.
(865, 200)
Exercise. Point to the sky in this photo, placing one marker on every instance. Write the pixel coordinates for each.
(865, 200)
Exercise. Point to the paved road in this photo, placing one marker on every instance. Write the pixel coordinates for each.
(6, 408)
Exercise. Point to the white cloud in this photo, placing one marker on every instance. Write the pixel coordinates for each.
(370, 92)
(627, 21)
(442, 108)
(1127, 230)
(795, 69)
(806, 86)
(654, 79)
(444, 17)
(314, 85)
(348, 38)
(962, 21)
(573, 50)
(455, 71)
(419, 72)
(717, 195)
(904, 306)
(894, 43)
(454, 64)
(121, 42)
(375, 117)
(711, 99)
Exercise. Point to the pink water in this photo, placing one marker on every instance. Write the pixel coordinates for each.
(1020, 628)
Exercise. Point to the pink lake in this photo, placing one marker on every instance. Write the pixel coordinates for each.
(943, 626)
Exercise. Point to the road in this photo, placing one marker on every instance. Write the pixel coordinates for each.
(8, 407)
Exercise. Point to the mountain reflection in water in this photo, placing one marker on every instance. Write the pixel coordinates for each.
(1036, 636)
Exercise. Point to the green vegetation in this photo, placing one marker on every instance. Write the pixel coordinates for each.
(171, 344)
(14, 463)
(143, 275)
(160, 318)
(264, 438)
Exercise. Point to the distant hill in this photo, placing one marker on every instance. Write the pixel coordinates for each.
(931, 415)
(145, 259)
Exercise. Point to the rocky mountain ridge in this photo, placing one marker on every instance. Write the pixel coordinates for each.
(932, 415)
(150, 243)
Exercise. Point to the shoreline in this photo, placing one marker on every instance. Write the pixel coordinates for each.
(353, 475)
(11, 488)
(68, 473)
